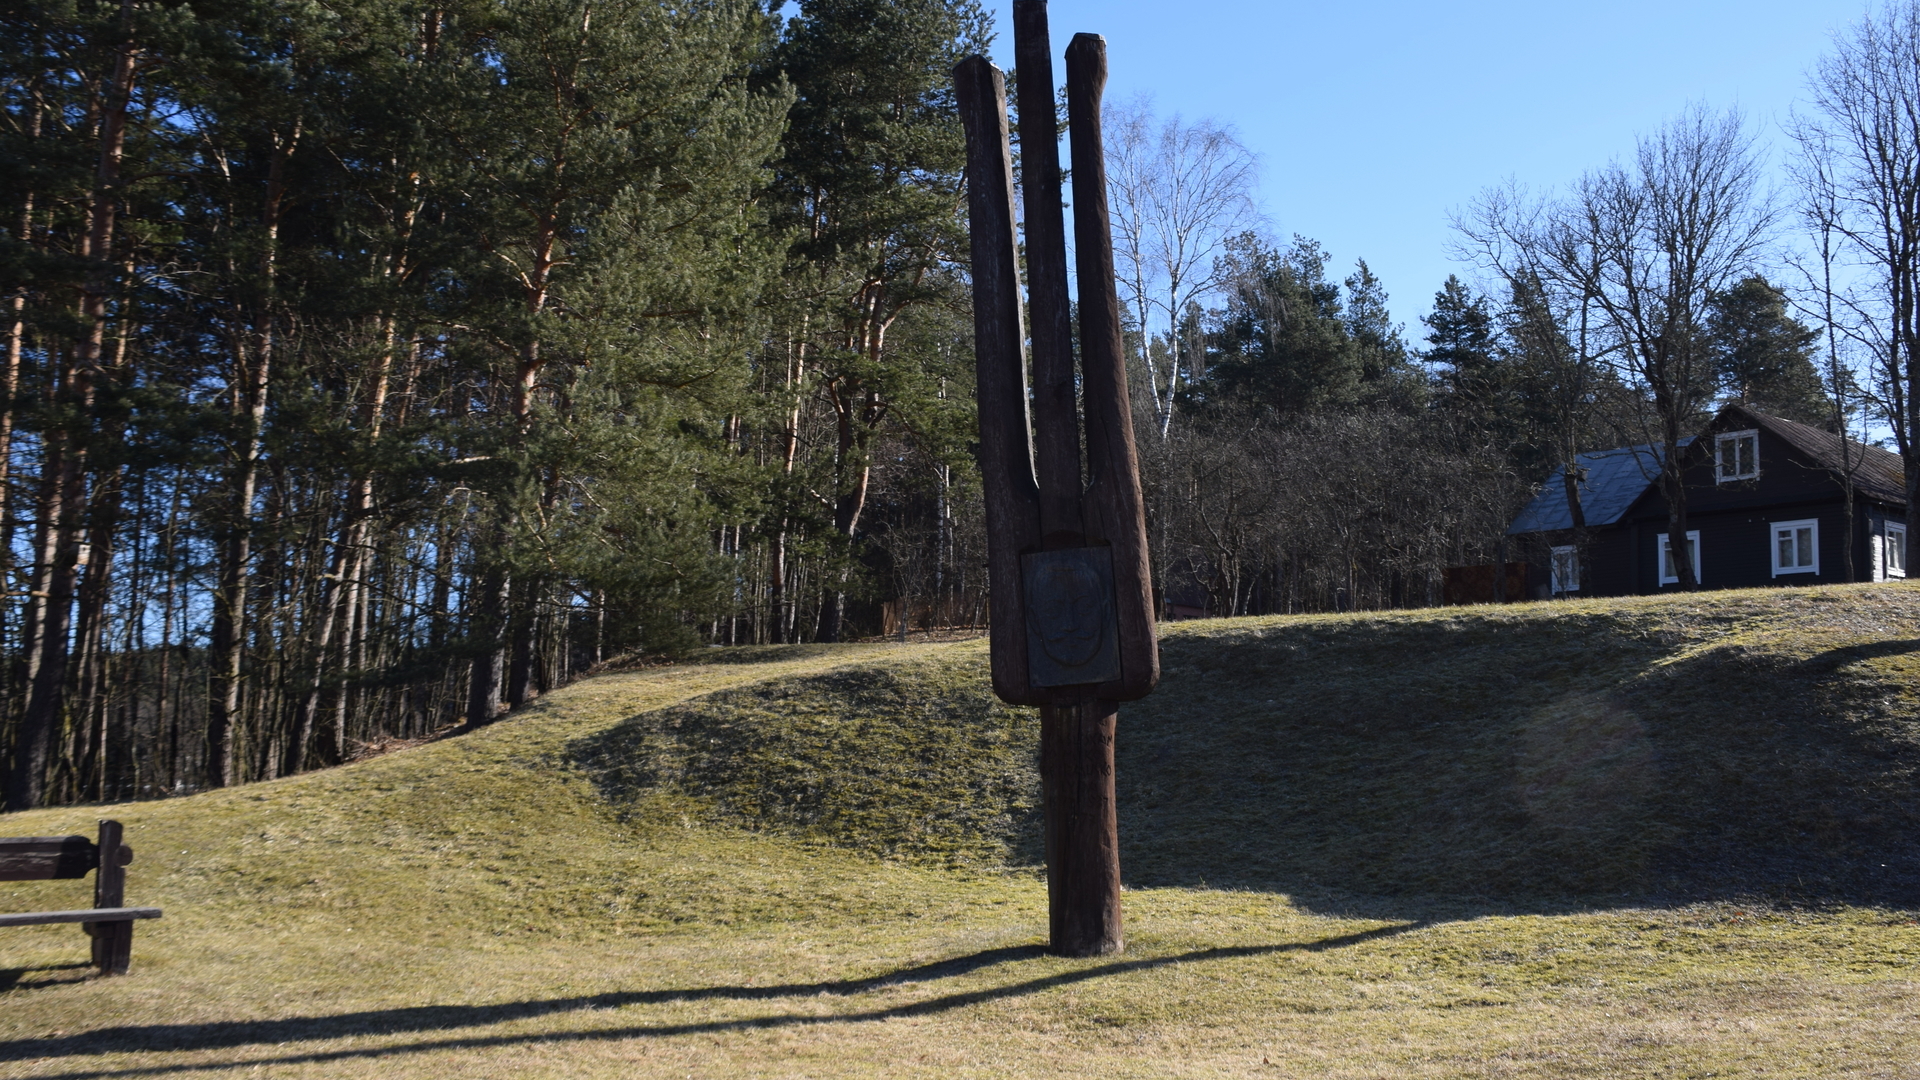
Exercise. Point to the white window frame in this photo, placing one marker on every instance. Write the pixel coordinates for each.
(1664, 548)
(1722, 443)
(1775, 528)
(1886, 560)
(1564, 569)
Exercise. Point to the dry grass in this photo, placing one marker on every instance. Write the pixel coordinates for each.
(1610, 838)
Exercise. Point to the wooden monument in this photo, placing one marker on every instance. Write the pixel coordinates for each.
(1072, 629)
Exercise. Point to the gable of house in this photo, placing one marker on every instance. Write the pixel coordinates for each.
(1766, 505)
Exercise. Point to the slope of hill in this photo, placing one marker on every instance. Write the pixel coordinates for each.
(1515, 842)
(1726, 745)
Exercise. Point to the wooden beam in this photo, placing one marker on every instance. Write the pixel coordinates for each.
(1082, 829)
(1115, 511)
(1056, 414)
(90, 915)
(112, 938)
(1000, 365)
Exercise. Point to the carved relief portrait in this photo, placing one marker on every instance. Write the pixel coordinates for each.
(1071, 633)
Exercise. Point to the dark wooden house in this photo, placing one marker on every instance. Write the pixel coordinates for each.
(1766, 505)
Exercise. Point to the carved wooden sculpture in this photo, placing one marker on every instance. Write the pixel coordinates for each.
(1072, 628)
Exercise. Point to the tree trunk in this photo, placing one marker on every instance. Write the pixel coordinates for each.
(1673, 487)
(227, 642)
(64, 479)
(491, 583)
(524, 601)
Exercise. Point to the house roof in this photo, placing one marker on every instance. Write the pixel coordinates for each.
(1877, 473)
(1611, 481)
(1615, 478)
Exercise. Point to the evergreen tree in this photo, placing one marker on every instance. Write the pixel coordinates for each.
(1763, 356)
(1387, 373)
(608, 155)
(868, 188)
(1461, 354)
(1283, 342)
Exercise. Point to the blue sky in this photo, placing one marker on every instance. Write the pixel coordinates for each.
(1374, 121)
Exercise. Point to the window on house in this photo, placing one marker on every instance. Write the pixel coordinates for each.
(1738, 454)
(1796, 547)
(1669, 573)
(1896, 563)
(1566, 569)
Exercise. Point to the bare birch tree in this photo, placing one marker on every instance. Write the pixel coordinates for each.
(1829, 302)
(1643, 246)
(1179, 191)
(1864, 132)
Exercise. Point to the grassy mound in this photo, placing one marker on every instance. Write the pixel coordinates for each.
(1723, 745)
(914, 759)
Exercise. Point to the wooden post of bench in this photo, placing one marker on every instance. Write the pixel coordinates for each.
(112, 941)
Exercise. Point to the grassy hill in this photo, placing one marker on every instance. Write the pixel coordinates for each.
(1670, 836)
(1757, 744)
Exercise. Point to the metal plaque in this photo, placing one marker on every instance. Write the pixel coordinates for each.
(1073, 637)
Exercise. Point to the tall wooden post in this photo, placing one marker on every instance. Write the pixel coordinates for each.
(1072, 630)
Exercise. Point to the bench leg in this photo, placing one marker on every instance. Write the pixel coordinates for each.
(112, 946)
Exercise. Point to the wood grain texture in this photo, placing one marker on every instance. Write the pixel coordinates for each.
(1082, 829)
(1114, 510)
(1056, 414)
(1006, 450)
(112, 939)
(43, 858)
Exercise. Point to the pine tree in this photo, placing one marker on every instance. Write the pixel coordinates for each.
(608, 153)
(1386, 371)
(869, 186)
(1461, 352)
(1763, 356)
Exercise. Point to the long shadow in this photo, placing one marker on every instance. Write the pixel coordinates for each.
(1826, 662)
(431, 1018)
(1521, 774)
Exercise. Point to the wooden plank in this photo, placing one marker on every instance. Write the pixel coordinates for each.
(1082, 829)
(90, 915)
(1115, 510)
(1056, 417)
(1006, 447)
(41, 858)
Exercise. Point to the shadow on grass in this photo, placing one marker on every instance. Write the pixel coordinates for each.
(1548, 767)
(10, 977)
(434, 1018)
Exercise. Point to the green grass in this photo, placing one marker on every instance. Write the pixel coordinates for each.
(1657, 837)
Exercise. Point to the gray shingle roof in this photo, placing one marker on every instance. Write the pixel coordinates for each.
(1613, 480)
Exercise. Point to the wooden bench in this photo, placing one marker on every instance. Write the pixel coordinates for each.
(44, 858)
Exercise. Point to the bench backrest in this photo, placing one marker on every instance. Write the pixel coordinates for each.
(44, 858)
